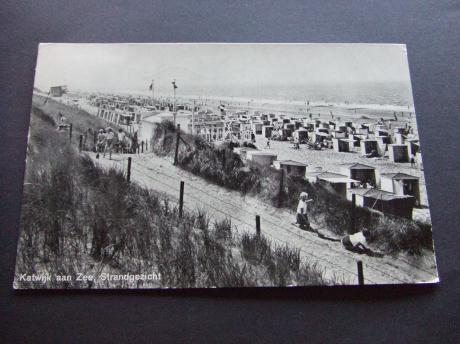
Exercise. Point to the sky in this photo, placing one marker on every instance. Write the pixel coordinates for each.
(201, 67)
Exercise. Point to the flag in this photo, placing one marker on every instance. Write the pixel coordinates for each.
(174, 84)
(151, 86)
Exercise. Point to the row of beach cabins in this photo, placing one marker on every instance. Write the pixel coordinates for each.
(393, 193)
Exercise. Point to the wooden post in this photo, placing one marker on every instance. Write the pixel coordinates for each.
(353, 214)
(128, 174)
(360, 272)
(181, 199)
(281, 190)
(258, 225)
(70, 132)
(142, 145)
(95, 140)
(80, 144)
(177, 144)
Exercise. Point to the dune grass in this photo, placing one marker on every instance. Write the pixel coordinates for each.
(79, 218)
(220, 165)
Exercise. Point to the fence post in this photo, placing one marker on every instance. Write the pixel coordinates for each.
(142, 145)
(258, 225)
(177, 144)
(281, 190)
(353, 214)
(80, 144)
(360, 272)
(181, 199)
(70, 132)
(128, 174)
(94, 140)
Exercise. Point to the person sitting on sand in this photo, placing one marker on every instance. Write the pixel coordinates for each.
(302, 217)
(356, 242)
(62, 122)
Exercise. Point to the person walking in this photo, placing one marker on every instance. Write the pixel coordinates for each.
(110, 138)
(301, 216)
(268, 143)
(100, 145)
(121, 140)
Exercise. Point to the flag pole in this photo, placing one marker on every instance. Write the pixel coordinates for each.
(193, 117)
(174, 105)
(153, 90)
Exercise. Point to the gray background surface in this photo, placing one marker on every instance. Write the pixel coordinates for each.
(373, 314)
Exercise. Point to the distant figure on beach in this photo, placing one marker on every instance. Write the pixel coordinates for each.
(268, 143)
(253, 138)
(302, 217)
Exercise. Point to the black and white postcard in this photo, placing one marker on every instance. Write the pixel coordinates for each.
(223, 165)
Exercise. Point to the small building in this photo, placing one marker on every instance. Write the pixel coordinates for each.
(368, 146)
(301, 134)
(57, 91)
(243, 151)
(382, 144)
(341, 145)
(398, 153)
(360, 172)
(259, 158)
(401, 184)
(337, 182)
(290, 126)
(257, 128)
(267, 131)
(319, 137)
(147, 127)
(291, 168)
(383, 201)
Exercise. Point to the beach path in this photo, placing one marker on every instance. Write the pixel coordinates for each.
(338, 264)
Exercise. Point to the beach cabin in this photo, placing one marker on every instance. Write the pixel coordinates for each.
(383, 201)
(147, 128)
(382, 144)
(339, 134)
(57, 91)
(368, 146)
(257, 128)
(267, 131)
(291, 168)
(319, 137)
(399, 138)
(290, 126)
(285, 133)
(243, 151)
(301, 134)
(401, 184)
(398, 153)
(342, 145)
(360, 172)
(336, 182)
(414, 146)
(260, 159)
